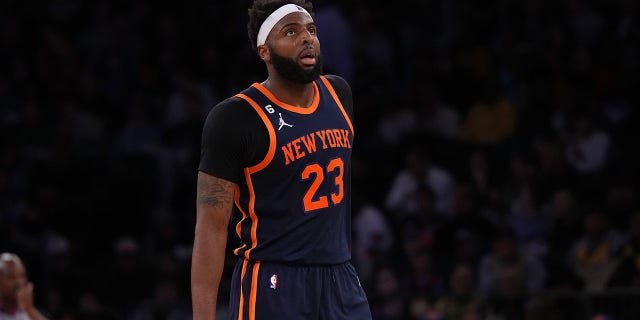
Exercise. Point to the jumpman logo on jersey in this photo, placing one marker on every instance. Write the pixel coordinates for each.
(282, 123)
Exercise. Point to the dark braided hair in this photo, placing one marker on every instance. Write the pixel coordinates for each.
(261, 9)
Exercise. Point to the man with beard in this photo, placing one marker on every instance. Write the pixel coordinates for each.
(16, 292)
(278, 157)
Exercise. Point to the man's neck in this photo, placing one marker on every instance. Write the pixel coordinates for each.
(296, 94)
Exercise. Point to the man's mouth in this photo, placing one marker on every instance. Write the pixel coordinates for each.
(308, 59)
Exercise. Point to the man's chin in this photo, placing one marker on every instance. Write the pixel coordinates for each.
(305, 75)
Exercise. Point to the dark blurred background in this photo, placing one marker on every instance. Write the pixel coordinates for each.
(495, 166)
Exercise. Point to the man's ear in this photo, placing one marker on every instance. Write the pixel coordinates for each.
(264, 53)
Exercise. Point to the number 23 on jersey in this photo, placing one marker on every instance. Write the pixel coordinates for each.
(317, 174)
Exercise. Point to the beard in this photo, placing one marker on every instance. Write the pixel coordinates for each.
(291, 70)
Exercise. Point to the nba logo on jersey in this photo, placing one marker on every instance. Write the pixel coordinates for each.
(274, 281)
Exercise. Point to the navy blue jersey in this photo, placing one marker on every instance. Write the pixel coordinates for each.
(295, 203)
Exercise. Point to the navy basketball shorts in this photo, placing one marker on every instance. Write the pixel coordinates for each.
(263, 290)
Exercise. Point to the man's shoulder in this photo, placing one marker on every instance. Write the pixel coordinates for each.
(337, 81)
(343, 90)
(231, 113)
(230, 102)
(230, 107)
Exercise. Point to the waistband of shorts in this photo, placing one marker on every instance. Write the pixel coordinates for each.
(295, 263)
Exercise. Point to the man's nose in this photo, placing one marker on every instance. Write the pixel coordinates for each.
(307, 37)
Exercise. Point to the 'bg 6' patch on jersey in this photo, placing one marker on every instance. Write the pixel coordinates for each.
(274, 282)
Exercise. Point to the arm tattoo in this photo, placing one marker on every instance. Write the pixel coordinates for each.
(215, 192)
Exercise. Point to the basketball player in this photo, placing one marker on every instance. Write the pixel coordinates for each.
(278, 155)
(16, 292)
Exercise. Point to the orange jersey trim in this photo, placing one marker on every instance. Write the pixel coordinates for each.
(241, 303)
(254, 291)
(272, 134)
(247, 173)
(236, 200)
(286, 106)
(335, 97)
(252, 213)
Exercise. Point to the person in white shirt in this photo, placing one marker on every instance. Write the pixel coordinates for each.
(16, 292)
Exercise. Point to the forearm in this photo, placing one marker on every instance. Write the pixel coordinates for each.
(214, 202)
(206, 271)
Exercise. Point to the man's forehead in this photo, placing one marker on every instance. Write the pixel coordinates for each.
(295, 18)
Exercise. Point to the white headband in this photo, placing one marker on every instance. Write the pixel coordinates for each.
(276, 16)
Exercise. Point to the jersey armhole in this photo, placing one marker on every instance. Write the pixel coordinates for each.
(272, 135)
(333, 93)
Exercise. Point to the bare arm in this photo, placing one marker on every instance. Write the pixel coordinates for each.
(214, 202)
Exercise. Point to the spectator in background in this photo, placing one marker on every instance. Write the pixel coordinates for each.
(418, 170)
(491, 119)
(484, 178)
(16, 292)
(462, 297)
(595, 254)
(528, 221)
(565, 226)
(521, 175)
(398, 123)
(387, 295)
(423, 277)
(139, 136)
(373, 235)
(424, 223)
(61, 270)
(128, 279)
(627, 273)
(507, 257)
(587, 148)
(551, 168)
(434, 116)
(510, 295)
(466, 236)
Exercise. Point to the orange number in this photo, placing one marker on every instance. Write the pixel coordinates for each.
(309, 203)
(335, 166)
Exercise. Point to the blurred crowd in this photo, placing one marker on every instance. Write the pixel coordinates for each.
(494, 171)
